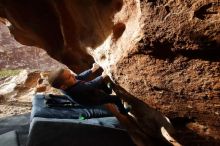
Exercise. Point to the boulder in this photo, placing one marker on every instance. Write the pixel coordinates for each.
(161, 53)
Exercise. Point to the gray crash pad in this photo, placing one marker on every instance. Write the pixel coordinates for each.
(70, 132)
(9, 139)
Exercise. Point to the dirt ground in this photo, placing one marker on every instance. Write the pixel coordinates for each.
(15, 107)
(16, 93)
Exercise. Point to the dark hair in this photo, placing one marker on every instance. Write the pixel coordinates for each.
(55, 79)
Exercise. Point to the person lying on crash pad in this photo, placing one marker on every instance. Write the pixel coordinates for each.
(86, 93)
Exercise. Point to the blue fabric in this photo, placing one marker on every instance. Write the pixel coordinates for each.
(84, 75)
(110, 122)
(39, 109)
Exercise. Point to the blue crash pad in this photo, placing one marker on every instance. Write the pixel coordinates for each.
(40, 109)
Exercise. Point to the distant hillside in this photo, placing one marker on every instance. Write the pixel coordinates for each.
(13, 55)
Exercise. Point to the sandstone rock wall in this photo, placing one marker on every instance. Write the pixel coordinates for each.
(13, 55)
(168, 55)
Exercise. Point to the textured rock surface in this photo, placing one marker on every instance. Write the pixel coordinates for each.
(166, 53)
(13, 55)
(16, 92)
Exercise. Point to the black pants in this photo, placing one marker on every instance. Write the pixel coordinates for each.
(98, 96)
(114, 100)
